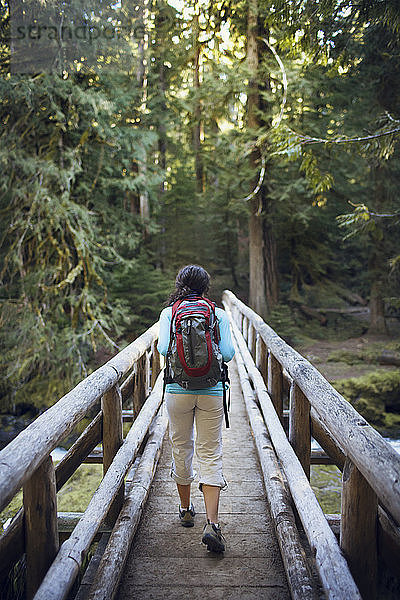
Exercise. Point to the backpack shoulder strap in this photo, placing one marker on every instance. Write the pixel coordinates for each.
(216, 327)
(175, 307)
(210, 304)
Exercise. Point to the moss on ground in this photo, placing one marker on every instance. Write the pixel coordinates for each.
(326, 481)
(77, 492)
(370, 353)
(376, 397)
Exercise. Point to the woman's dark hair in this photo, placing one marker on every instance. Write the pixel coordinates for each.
(190, 279)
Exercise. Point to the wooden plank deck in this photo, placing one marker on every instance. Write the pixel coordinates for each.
(169, 561)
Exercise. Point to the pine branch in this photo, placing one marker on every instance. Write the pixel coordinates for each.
(366, 210)
(307, 140)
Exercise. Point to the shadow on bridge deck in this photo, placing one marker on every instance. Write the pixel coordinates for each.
(169, 561)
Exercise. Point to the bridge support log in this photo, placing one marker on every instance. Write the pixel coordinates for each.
(373, 456)
(275, 384)
(300, 427)
(12, 540)
(79, 451)
(238, 317)
(147, 375)
(111, 405)
(127, 388)
(41, 535)
(358, 529)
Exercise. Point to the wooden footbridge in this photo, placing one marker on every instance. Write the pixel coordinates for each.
(280, 544)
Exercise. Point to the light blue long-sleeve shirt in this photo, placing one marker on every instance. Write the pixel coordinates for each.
(225, 346)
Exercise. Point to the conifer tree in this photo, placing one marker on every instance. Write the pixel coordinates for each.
(67, 148)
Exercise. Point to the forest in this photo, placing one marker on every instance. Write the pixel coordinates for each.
(257, 138)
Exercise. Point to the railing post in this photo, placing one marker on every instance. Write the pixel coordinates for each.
(275, 384)
(262, 357)
(251, 340)
(155, 364)
(358, 529)
(236, 315)
(300, 426)
(239, 319)
(41, 534)
(234, 310)
(245, 327)
(147, 374)
(139, 392)
(111, 405)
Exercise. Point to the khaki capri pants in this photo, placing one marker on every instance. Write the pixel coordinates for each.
(206, 413)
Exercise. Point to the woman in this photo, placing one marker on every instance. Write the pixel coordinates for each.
(203, 407)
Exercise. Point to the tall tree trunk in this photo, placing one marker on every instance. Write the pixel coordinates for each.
(270, 250)
(142, 83)
(197, 110)
(257, 295)
(376, 268)
(377, 322)
(376, 263)
(160, 20)
(263, 292)
(162, 149)
(271, 266)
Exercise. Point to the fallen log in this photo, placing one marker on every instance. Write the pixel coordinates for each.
(344, 311)
(389, 358)
(313, 313)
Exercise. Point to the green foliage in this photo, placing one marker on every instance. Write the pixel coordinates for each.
(11, 510)
(319, 182)
(101, 198)
(370, 353)
(350, 358)
(68, 227)
(383, 385)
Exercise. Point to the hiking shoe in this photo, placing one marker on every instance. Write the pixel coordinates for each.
(186, 516)
(213, 538)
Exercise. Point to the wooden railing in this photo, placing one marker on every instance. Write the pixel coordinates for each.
(371, 468)
(26, 463)
(271, 373)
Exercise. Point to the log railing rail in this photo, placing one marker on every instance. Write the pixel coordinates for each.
(26, 462)
(371, 467)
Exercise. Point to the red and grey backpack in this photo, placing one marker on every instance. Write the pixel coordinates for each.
(194, 360)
